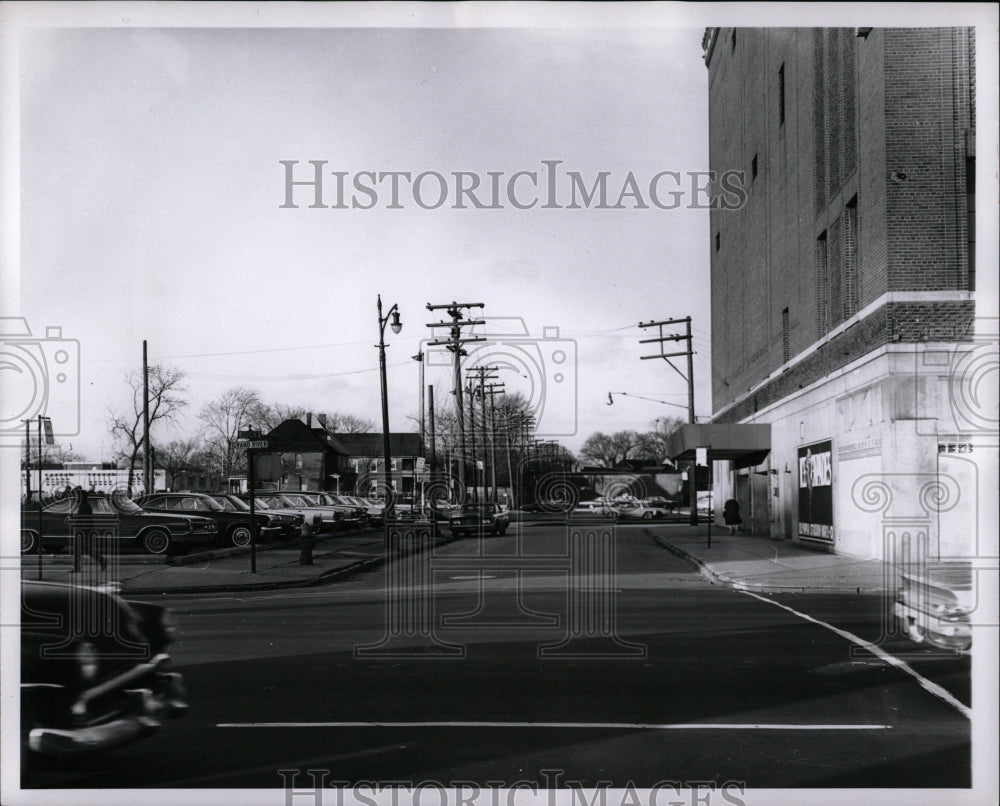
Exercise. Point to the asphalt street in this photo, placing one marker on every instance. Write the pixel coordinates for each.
(595, 658)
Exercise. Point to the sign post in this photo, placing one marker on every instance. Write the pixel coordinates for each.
(250, 441)
(47, 424)
(701, 458)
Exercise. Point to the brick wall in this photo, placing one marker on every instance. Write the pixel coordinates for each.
(882, 122)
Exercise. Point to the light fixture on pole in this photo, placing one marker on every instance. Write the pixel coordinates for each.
(396, 325)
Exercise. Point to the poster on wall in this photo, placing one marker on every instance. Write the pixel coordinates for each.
(816, 492)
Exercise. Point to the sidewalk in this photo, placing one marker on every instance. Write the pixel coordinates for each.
(739, 561)
(761, 564)
(277, 566)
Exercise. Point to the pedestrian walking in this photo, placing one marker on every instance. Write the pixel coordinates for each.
(731, 515)
(88, 528)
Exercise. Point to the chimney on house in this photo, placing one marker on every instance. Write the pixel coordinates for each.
(309, 419)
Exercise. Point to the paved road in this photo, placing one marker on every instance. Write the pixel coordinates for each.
(552, 660)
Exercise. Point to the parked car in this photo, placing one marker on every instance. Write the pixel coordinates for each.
(234, 527)
(291, 502)
(479, 519)
(90, 685)
(287, 523)
(353, 515)
(659, 502)
(374, 510)
(638, 510)
(122, 525)
(596, 508)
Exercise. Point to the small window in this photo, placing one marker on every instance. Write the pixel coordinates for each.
(781, 95)
(717, 242)
(753, 167)
(733, 40)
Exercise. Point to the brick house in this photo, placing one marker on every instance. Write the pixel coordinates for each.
(365, 459)
(843, 289)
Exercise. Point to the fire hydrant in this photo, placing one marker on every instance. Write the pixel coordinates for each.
(307, 541)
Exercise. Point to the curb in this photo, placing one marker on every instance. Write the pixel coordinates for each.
(699, 564)
(734, 583)
(326, 576)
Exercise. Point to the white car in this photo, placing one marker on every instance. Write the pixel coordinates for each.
(596, 508)
(637, 510)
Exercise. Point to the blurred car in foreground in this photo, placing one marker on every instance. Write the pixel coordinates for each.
(92, 684)
(935, 602)
(479, 519)
(120, 522)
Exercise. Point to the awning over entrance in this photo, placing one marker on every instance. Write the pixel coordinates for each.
(744, 444)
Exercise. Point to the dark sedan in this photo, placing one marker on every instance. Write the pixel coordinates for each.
(479, 519)
(118, 522)
(92, 684)
(287, 523)
(233, 526)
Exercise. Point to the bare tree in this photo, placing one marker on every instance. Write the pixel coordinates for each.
(180, 455)
(235, 410)
(336, 423)
(653, 444)
(51, 455)
(609, 450)
(166, 390)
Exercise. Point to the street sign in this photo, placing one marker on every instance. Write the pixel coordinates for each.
(251, 444)
(418, 464)
(47, 425)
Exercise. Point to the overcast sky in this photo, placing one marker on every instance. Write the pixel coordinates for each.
(152, 202)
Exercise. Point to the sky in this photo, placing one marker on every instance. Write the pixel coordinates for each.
(154, 190)
(156, 144)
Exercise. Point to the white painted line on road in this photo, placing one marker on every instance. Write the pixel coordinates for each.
(928, 685)
(560, 725)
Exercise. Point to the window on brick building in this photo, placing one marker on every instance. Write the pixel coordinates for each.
(970, 210)
(786, 352)
(851, 258)
(822, 285)
(781, 95)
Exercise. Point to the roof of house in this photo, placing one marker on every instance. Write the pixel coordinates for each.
(295, 436)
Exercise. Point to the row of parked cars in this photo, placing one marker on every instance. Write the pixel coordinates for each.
(628, 508)
(167, 522)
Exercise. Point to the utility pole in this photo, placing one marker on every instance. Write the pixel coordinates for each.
(484, 374)
(27, 463)
(454, 343)
(471, 392)
(689, 352)
(492, 390)
(147, 472)
(423, 435)
(430, 423)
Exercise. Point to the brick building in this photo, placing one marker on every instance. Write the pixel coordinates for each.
(843, 289)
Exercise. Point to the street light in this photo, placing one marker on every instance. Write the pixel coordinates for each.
(396, 325)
